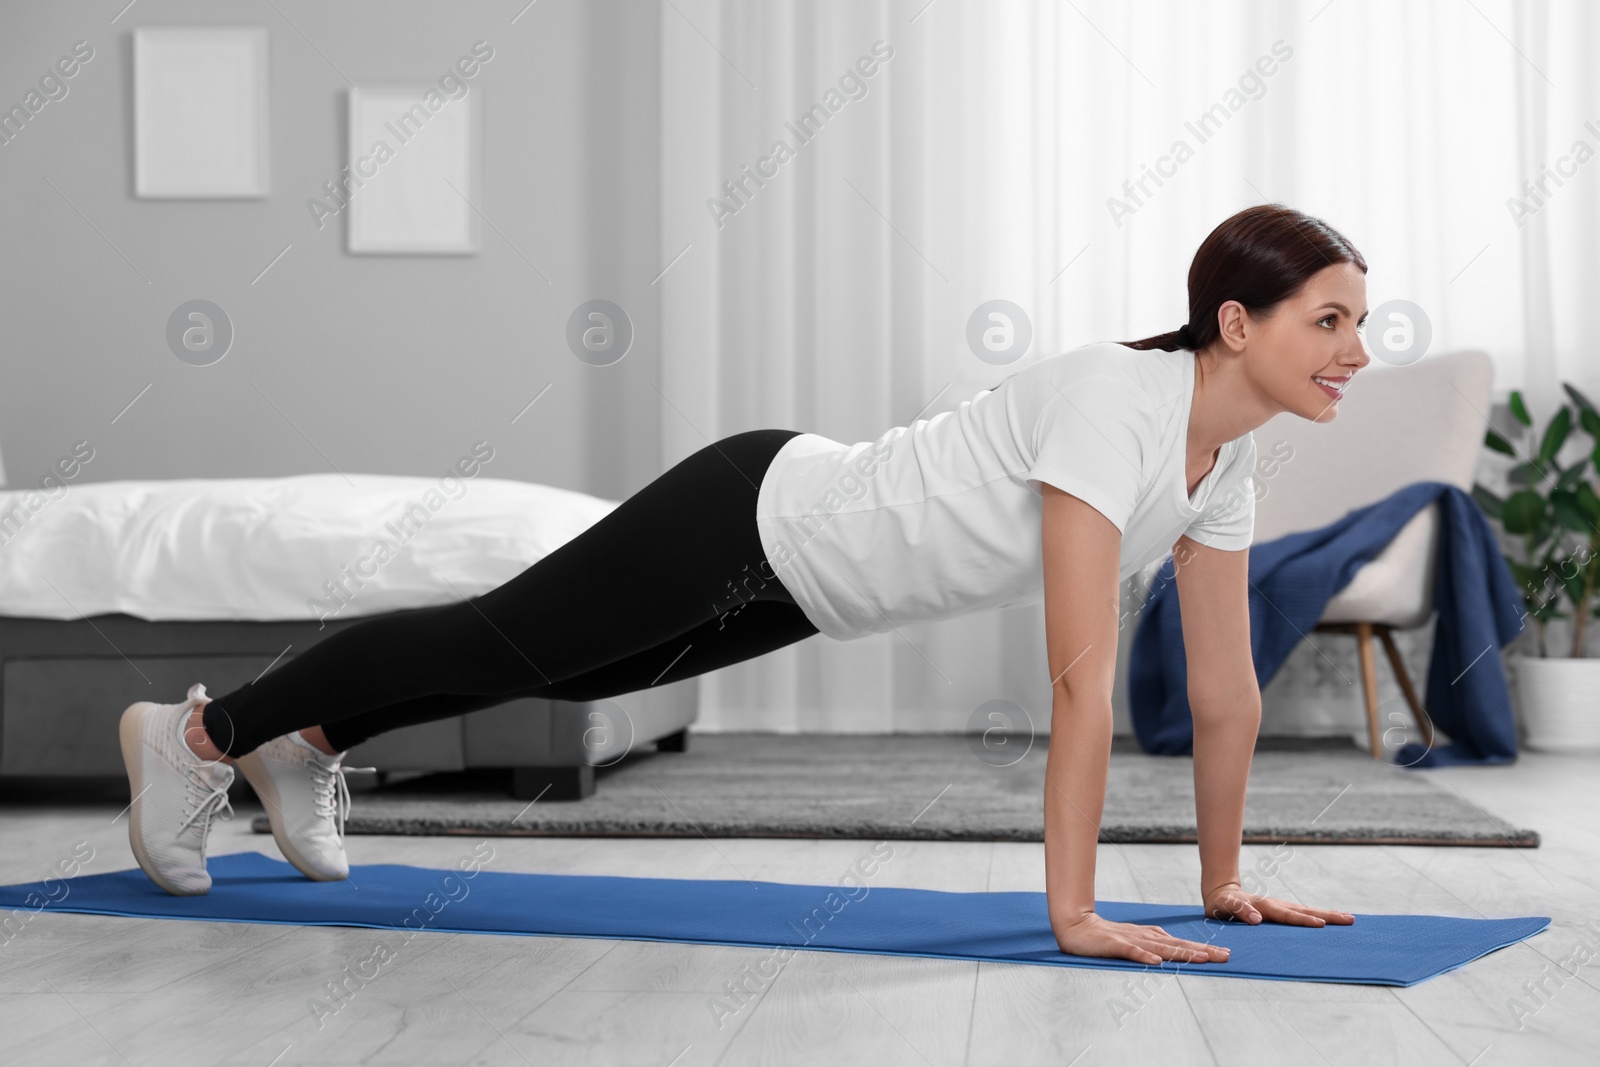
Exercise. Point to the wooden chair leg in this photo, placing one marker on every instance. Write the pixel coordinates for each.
(1369, 686)
(1424, 724)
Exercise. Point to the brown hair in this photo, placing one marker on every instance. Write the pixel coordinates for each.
(1260, 257)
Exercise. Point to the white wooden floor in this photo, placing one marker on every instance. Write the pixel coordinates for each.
(77, 989)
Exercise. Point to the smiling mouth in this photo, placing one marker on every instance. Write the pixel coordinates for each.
(1334, 387)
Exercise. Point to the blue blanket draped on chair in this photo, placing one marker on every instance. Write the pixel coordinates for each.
(1292, 578)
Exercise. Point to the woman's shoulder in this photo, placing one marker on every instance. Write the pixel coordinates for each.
(1108, 371)
(1109, 359)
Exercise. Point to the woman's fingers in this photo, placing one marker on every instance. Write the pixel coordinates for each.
(1163, 936)
(1185, 951)
(1195, 950)
(1290, 917)
(1163, 950)
(1149, 945)
(1283, 911)
(1236, 906)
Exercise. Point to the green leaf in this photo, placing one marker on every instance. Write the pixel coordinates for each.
(1523, 474)
(1589, 504)
(1555, 435)
(1524, 512)
(1517, 410)
(1572, 475)
(1573, 584)
(1543, 533)
(1491, 504)
(1531, 580)
(1589, 419)
(1564, 504)
(1579, 399)
(1495, 440)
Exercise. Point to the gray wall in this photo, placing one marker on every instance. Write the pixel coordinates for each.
(382, 364)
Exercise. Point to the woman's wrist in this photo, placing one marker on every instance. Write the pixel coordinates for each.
(1066, 918)
(1069, 913)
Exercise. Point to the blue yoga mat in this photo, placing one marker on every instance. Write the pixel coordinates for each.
(249, 887)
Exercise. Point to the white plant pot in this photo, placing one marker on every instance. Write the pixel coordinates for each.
(1560, 699)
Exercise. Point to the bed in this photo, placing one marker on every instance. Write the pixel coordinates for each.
(118, 591)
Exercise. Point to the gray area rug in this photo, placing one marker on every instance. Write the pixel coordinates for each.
(934, 787)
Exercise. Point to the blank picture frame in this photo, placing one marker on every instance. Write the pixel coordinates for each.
(413, 171)
(200, 112)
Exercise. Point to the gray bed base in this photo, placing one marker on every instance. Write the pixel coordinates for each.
(64, 684)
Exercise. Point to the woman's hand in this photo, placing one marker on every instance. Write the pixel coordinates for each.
(1230, 901)
(1091, 935)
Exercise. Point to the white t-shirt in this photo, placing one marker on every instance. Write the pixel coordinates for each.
(942, 517)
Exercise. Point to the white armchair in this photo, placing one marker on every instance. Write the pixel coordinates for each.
(1396, 426)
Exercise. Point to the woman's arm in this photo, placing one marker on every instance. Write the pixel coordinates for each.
(1080, 563)
(1213, 593)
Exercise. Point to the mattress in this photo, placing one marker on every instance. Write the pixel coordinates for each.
(312, 546)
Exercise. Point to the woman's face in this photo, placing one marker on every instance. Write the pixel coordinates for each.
(1312, 335)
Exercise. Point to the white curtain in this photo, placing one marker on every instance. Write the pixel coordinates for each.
(1069, 157)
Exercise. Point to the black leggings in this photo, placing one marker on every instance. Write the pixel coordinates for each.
(670, 584)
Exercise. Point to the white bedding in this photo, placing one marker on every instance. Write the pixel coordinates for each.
(276, 548)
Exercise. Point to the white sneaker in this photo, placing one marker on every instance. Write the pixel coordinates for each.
(175, 793)
(307, 800)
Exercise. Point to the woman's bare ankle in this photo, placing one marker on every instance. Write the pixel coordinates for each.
(319, 740)
(199, 742)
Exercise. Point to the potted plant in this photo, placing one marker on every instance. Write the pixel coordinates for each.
(1556, 514)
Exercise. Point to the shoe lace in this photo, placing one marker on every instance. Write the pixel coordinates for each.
(330, 793)
(204, 801)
